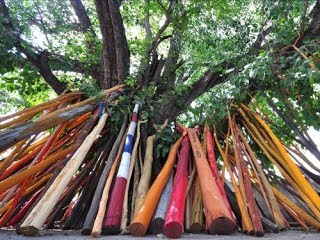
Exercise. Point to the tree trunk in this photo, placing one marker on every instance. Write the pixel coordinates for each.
(115, 54)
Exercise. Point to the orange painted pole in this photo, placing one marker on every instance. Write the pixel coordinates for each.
(21, 176)
(141, 221)
(218, 219)
(214, 168)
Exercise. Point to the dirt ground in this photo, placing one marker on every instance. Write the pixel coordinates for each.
(75, 235)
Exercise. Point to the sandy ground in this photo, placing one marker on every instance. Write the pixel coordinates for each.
(73, 235)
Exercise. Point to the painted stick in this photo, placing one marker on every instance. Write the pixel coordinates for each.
(145, 174)
(214, 168)
(302, 214)
(21, 176)
(13, 155)
(295, 171)
(24, 209)
(159, 216)
(218, 220)
(252, 206)
(124, 217)
(79, 137)
(295, 216)
(41, 211)
(88, 224)
(245, 219)
(97, 226)
(43, 106)
(141, 221)
(173, 226)
(13, 135)
(38, 158)
(113, 215)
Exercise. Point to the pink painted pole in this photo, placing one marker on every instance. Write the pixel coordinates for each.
(173, 226)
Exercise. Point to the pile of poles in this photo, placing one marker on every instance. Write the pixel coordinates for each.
(63, 167)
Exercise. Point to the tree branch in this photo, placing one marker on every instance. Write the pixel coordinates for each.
(147, 26)
(83, 18)
(38, 60)
(142, 76)
(314, 27)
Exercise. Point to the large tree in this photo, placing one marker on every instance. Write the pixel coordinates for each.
(168, 52)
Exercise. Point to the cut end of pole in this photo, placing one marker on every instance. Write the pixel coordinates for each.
(137, 229)
(195, 228)
(173, 230)
(156, 226)
(222, 226)
(95, 234)
(259, 234)
(29, 231)
(86, 231)
(110, 230)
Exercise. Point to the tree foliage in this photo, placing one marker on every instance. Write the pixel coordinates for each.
(170, 53)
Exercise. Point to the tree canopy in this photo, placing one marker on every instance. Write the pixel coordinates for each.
(188, 59)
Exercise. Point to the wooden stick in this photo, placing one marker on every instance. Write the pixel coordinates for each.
(294, 170)
(214, 168)
(218, 219)
(252, 206)
(144, 182)
(173, 227)
(141, 221)
(197, 209)
(11, 136)
(43, 106)
(124, 217)
(97, 226)
(41, 211)
(22, 175)
(295, 216)
(302, 214)
(88, 224)
(271, 199)
(246, 221)
(112, 219)
(159, 216)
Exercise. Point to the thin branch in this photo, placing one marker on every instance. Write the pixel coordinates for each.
(147, 26)
(83, 18)
(161, 5)
(39, 60)
(303, 17)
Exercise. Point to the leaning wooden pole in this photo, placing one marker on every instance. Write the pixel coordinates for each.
(159, 216)
(218, 219)
(42, 210)
(141, 221)
(214, 169)
(112, 220)
(252, 206)
(88, 223)
(173, 226)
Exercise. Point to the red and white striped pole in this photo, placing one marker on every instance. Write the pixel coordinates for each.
(112, 219)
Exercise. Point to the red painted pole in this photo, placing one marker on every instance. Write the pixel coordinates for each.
(173, 226)
(17, 218)
(214, 168)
